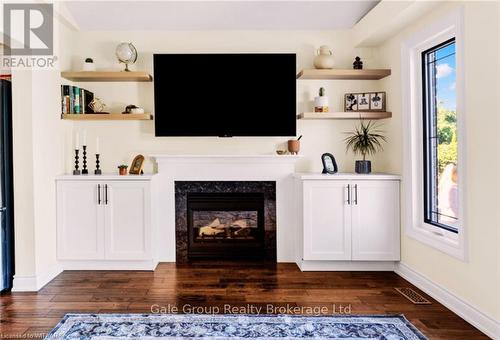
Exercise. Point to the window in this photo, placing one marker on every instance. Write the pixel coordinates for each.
(433, 124)
(440, 163)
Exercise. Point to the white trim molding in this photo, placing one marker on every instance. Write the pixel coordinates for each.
(411, 49)
(33, 283)
(485, 323)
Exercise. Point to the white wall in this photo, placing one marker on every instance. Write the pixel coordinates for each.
(475, 281)
(39, 142)
(121, 141)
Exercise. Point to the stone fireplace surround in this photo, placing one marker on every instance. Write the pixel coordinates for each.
(214, 168)
(183, 188)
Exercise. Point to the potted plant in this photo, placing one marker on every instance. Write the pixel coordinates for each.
(365, 140)
(123, 169)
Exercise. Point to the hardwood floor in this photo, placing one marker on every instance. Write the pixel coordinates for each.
(219, 285)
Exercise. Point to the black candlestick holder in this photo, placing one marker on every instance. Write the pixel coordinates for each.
(97, 171)
(85, 171)
(76, 171)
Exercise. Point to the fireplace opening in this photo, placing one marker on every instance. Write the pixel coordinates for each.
(225, 225)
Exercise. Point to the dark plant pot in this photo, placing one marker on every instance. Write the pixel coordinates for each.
(363, 167)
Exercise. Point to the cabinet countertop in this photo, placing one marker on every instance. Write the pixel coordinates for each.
(104, 177)
(345, 176)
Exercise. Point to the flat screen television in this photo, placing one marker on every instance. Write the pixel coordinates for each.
(225, 94)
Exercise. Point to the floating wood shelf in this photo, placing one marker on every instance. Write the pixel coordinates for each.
(107, 76)
(374, 74)
(110, 116)
(345, 115)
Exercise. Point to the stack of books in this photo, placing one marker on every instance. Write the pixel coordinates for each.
(75, 100)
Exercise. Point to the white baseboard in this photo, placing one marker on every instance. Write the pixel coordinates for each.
(469, 313)
(33, 283)
(108, 265)
(345, 265)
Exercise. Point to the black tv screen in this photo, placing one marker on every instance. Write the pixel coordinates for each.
(225, 94)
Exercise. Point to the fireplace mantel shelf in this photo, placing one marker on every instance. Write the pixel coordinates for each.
(159, 156)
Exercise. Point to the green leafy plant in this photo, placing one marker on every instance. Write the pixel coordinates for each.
(365, 140)
(123, 166)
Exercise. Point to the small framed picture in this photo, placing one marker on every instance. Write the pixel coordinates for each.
(137, 164)
(329, 164)
(377, 101)
(363, 102)
(350, 102)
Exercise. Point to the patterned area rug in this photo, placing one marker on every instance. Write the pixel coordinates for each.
(188, 326)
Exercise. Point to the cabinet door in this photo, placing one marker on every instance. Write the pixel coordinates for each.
(375, 220)
(80, 228)
(327, 216)
(127, 220)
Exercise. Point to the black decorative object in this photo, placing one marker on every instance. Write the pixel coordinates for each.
(329, 164)
(85, 171)
(357, 64)
(363, 167)
(97, 171)
(76, 171)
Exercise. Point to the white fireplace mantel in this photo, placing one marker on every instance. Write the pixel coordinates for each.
(278, 168)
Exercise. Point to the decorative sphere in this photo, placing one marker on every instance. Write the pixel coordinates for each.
(126, 53)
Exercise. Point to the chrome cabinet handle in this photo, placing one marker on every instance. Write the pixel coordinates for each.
(98, 194)
(106, 194)
(348, 194)
(356, 194)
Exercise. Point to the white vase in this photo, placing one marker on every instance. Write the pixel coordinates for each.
(321, 104)
(324, 58)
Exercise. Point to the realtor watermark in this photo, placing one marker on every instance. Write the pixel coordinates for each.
(28, 35)
(341, 309)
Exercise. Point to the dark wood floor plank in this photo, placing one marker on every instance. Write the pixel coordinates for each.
(220, 284)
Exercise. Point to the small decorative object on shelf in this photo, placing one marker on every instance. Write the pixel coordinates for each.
(294, 146)
(357, 64)
(281, 152)
(133, 109)
(126, 53)
(76, 171)
(123, 169)
(368, 101)
(97, 171)
(351, 102)
(137, 164)
(329, 164)
(324, 58)
(365, 140)
(98, 106)
(85, 171)
(321, 102)
(89, 65)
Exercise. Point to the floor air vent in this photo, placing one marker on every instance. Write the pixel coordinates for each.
(413, 296)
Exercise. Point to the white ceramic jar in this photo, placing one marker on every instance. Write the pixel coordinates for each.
(324, 58)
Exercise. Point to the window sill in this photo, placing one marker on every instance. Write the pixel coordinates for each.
(438, 241)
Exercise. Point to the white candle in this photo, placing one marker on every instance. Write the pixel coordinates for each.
(77, 141)
(97, 145)
(84, 137)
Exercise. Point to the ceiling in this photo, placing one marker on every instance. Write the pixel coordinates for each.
(218, 15)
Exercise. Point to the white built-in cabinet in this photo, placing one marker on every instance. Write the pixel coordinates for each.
(104, 222)
(348, 217)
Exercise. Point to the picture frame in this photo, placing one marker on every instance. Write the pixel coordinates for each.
(350, 102)
(136, 166)
(377, 101)
(365, 101)
(329, 164)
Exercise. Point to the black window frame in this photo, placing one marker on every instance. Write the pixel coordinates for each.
(429, 108)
